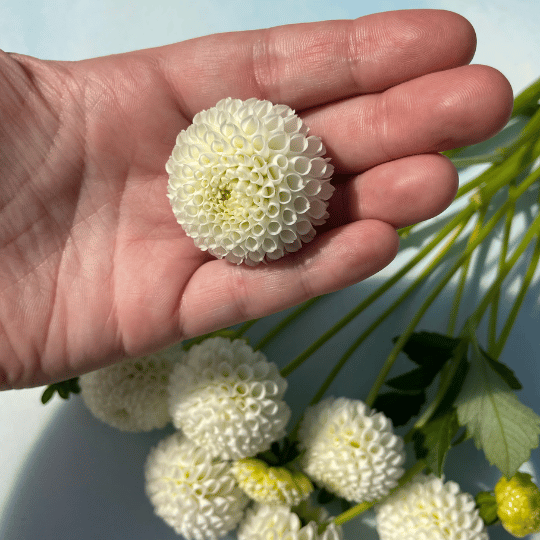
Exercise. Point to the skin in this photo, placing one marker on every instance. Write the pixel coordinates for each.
(93, 265)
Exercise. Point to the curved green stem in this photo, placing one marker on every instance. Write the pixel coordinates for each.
(532, 231)
(492, 322)
(466, 213)
(389, 362)
(285, 322)
(422, 277)
(454, 310)
(499, 346)
(244, 328)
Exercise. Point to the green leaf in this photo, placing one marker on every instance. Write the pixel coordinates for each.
(487, 507)
(504, 371)
(47, 394)
(452, 378)
(399, 407)
(415, 380)
(433, 441)
(504, 428)
(64, 389)
(427, 348)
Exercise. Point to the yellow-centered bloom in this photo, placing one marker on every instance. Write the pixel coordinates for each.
(271, 485)
(518, 504)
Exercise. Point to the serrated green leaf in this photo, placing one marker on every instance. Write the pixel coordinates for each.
(433, 441)
(504, 371)
(427, 348)
(399, 407)
(505, 429)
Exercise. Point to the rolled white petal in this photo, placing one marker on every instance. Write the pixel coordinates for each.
(131, 395)
(195, 494)
(429, 508)
(351, 450)
(228, 398)
(276, 522)
(243, 165)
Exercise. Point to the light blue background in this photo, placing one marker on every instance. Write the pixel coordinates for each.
(64, 475)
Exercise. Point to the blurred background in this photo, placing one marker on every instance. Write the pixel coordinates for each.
(64, 475)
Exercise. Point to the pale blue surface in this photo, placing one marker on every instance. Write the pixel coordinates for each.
(64, 475)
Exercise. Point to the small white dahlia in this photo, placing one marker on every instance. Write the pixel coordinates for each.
(131, 395)
(271, 485)
(274, 522)
(350, 450)
(247, 183)
(227, 398)
(192, 492)
(430, 509)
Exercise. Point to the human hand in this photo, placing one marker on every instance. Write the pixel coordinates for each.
(93, 265)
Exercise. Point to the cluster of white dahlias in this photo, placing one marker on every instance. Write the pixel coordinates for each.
(247, 183)
(227, 402)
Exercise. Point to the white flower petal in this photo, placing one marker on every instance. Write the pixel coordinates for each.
(350, 450)
(429, 508)
(131, 395)
(227, 398)
(248, 169)
(192, 492)
(275, 522)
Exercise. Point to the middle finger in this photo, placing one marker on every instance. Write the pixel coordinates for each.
(433, 113)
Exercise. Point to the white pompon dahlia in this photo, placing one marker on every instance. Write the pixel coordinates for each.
(266, 522)
(350, 450)
(247, 183)
(271, 485)
(131, 395)
(227, 398)
(430, 509)
(192, 492)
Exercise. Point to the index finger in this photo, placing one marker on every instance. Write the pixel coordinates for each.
(305, 65)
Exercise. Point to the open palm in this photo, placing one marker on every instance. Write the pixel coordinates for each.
(93, 265)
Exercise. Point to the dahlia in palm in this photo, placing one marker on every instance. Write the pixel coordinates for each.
(247, 183)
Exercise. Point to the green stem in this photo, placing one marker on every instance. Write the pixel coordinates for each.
(520, 154)
(527, 100)
(533, 230)
(244, 328)
(492, 323)
(424, 275)
(358, 509)
(286, 321)
(464, 273)
(445, 384)
(496, 351)
(389, 362)
(466, 213)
